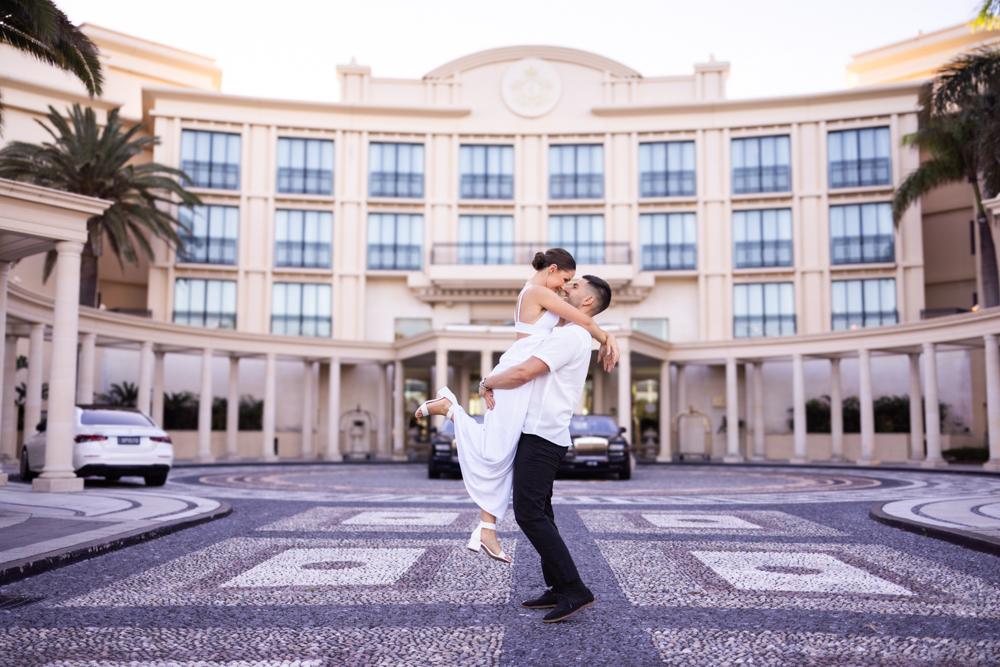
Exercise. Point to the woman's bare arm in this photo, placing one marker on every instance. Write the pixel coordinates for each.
(548, 300)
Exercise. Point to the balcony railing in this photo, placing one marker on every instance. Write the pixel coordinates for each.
(756, 326)
(759, 254)
(395, 184)
(202, 250)
(856, 319)
(669, 257)
(302, 254)
(393, 257)
(486, 186)
(667, 183)
(221, 175)
(209, 320)
(776, 178)
(522, 253)
(867, 249)
(296, 180)
(860, 173)
(301, 325)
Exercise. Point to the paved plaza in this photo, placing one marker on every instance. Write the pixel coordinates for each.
(366, 565)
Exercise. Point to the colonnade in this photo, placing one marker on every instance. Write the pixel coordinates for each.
(924, 417)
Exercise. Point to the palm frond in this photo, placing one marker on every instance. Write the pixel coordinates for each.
(41, 30)
(84, 158)
(989, 15)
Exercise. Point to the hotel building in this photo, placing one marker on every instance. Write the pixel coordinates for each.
(351, 257)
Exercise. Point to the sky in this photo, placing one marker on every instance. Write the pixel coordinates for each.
(290, 49)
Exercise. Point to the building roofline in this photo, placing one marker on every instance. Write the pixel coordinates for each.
(151, 93)
(559, 53)
(155, 48)
(886, 90)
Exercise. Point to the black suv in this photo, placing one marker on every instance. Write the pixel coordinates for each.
(444, 454)
(598, 446)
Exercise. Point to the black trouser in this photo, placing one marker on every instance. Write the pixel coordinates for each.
(535, 466)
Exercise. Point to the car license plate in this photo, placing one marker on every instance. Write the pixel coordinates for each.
(128, 440)
(591, 463)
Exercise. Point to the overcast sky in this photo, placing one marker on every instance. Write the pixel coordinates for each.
(289, 49)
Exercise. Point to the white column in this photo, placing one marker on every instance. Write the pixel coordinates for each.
(732, 414)
(463, 386)
(307, 409)
(625, 390)
(382, 435)
(8, 411)
(440, 379)
(666, 435)
(759, 453)
(4, 271)
(85, 382)
(599, 376)
(867, 409)
(932, 414)
(916, 412)
(233, 410)
(158, 370)
(205, 409)
(398, 409)
(799, 408)
(485, 362)
(145, 376)
(58, 473)
(333, 419)
(993, 400)
(836, 413)
(267, 452)
(682, 405)
(33, 390)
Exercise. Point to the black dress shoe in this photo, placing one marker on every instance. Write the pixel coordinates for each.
(567, 606)
(546, 600)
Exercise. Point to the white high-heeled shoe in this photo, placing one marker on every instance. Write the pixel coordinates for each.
(443, 393)
(475, 542)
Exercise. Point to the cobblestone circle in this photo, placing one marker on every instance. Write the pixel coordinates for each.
(321, 566)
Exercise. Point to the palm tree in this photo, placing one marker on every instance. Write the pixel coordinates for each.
(86, 160)
(959, 126)
(989, 14)
(125, 394)
(40, 29)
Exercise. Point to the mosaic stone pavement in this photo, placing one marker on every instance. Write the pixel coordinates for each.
(366, 565)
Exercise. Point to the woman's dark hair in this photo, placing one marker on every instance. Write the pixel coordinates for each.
(561, 258)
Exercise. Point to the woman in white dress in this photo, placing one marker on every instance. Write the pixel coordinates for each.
(486, 451)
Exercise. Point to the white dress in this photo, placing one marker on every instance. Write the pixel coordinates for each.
(486, 451)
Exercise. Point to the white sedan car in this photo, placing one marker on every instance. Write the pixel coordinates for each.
(110, 442)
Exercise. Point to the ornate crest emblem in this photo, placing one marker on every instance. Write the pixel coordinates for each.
(531, 87)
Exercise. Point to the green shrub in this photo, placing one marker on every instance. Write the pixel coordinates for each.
(967, 454)
(892, 414)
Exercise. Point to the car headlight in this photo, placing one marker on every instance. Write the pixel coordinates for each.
(442, 448)
(616, 447)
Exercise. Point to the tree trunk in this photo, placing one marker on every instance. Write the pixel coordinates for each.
(88, 277)
(990, 297)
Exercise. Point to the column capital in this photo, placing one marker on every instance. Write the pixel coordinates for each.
(69, 248)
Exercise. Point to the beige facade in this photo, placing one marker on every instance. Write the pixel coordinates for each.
(524, 103)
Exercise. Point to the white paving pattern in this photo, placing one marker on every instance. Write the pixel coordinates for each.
(794, 572)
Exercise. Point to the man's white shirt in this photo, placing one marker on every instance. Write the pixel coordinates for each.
(555, 395)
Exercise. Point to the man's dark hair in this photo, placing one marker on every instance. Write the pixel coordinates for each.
(602, 293)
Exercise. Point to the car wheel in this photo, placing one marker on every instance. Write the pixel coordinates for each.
(115, 478)
(433, 474)
(627, 472)
(156, 479)
(26, 474)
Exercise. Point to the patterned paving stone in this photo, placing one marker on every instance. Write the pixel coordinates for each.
(704, 522)
(242, 647)
(274, 571)
(834, 577)
(419, 520)
(711, 647)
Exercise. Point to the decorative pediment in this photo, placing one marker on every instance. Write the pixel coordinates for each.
(550, 53)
